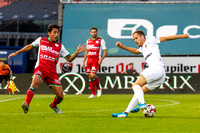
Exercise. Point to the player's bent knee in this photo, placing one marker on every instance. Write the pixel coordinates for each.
(136, 86)
(60, 98)
(92, 76)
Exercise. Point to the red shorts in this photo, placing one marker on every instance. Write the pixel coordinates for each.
(49, 78)
(92, 66)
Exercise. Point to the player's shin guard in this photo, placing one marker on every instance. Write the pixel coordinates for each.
(139, 93)
(29, 95)
(56, 101)
(92, 86)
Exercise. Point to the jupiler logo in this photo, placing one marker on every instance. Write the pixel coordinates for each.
(72, 82)
(118, 27)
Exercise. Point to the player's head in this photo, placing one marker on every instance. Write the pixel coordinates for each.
(2, 63)
(93, 32)
(139, 37)
(130, 65)
(53, 32)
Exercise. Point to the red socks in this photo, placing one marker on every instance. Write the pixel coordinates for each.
(92, 86)
(56, 101)
(9, 91)
(97, 83)
(29, 95)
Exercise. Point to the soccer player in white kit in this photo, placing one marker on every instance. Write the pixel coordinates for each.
(151, 77)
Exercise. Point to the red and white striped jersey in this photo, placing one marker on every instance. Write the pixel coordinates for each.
(48, 54)
(94, 47)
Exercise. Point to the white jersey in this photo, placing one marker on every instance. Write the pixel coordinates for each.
(151, 52)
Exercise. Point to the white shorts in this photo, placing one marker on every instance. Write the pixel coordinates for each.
(155, 76)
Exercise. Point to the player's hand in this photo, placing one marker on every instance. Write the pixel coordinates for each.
(118, 44)
(81, 48)
(12, 54)
(100, 61)
(187, 35)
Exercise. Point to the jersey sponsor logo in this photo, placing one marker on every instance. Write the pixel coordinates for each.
(44, 41)
(47, 57)
(73, 80)
(49, 49)
(92, 47)
(92, 53)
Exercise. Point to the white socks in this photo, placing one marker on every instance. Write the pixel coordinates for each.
(132, 104)
(138, 97)
(139, 93)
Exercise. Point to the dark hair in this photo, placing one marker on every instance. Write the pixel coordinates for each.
(140, 32)
(130, 64)
(51, 26)
(94, 28)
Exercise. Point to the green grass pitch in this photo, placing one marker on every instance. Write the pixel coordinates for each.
(175, 113)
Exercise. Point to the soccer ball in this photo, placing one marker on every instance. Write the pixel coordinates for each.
(150, 111)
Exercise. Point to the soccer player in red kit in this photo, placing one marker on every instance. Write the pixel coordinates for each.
(94, 60)
(49, 51)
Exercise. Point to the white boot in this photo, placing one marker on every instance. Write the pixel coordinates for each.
(99, 92)
(91, 96)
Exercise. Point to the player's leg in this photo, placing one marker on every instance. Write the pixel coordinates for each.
(155, 78)
(138, 97)
(99, 89)
(1, 79)
(140, 105)
(141, 81)
(36, 81)
(54, 83)
(8, 84)
(58, 90)
(91, 84)
(138, 92)
(92, 77)
(96, 79)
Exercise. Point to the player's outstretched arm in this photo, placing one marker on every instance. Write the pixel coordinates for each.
(24, 49)
(132, 50)
(174, 37)
(75, 54)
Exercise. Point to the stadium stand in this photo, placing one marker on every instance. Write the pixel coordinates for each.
(25, 20)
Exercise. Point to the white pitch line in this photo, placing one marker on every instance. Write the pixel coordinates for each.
(11, 99)
(172, 103)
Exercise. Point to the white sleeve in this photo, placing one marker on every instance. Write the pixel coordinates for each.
(36, 43)
(64, 52)
(103, 44)
(87, 44)
(140, 50)
(155, 39)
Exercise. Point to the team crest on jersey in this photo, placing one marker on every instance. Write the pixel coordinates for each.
(97, 41)
(56, 45)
